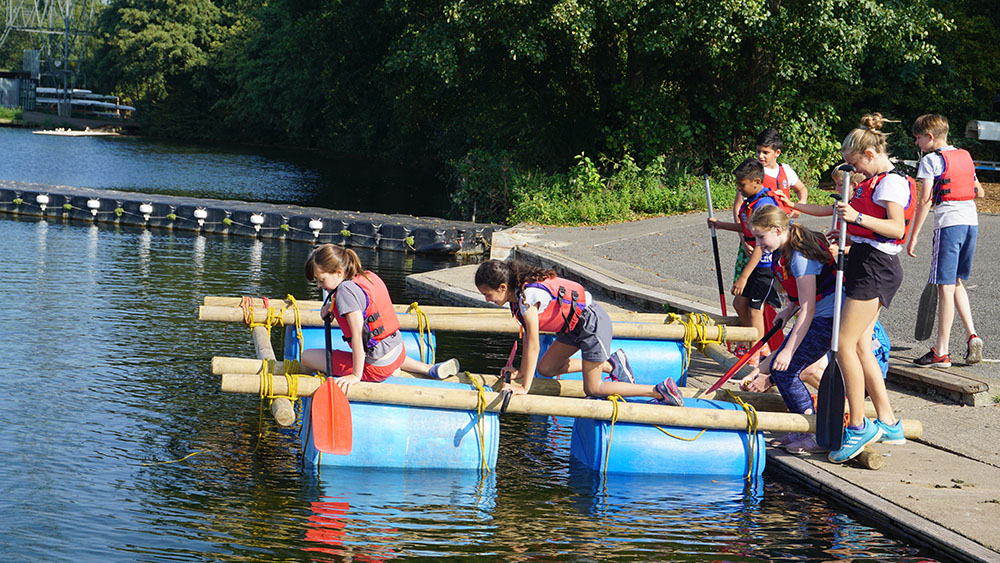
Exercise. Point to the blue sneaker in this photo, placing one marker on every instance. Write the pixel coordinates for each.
(891, 434)
(670, 392)
(620, 370)
(444, 369)
(855, 441)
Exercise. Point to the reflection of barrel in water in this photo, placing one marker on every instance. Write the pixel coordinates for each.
(381, 514)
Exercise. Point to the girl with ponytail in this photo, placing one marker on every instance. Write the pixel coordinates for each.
(541, 301)
(359, 301)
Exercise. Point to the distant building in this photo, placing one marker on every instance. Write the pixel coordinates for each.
(17, 90)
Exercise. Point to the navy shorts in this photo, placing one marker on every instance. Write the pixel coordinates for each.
(592, 334)
(871, 273)
(762, 288)
(952, 256)
(815, 344)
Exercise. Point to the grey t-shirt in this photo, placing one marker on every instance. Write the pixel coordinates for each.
(350, 297)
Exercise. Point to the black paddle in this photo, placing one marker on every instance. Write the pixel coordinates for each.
(926, 310)
(715, 248)
(830, 402)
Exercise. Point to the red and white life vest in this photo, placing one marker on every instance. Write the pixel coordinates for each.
(958, 180)
(778, 184)
(569, 299)
(379, 315)
(747, 209)
(826, 280)
(863, 203)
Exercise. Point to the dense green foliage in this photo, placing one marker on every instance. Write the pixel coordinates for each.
(513, 93)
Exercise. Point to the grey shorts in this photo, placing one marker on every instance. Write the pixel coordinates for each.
(592, 334)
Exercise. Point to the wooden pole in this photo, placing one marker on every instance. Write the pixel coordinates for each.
(474, 323)
(770, 402)
(281, 409)
(431, 310)
(467, 400)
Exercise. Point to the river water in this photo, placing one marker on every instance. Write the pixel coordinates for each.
(106, 388)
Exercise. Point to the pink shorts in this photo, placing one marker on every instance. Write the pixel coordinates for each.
(343, 364)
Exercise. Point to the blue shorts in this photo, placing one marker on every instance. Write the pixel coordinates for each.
(952, 256)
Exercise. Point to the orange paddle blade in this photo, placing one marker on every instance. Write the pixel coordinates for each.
(331, 419)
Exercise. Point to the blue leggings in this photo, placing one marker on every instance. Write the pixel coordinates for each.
(815, 344)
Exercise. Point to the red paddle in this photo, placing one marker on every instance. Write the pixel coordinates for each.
(331, 413)
(746, 358)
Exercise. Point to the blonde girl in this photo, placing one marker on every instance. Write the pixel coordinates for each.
(878, 219)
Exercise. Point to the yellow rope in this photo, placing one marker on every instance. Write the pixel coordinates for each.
(614, 418)
(694, 332)
(480, 409)
(681, 437)
(423, 323)
(174, 460)
(751, 413)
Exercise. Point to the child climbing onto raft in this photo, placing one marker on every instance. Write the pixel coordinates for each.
(807, 274)
(360, 303)
(540, 301)
(878, 217)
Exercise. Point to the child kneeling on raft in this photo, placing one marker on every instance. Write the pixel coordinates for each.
(541, 301)
(360, 303)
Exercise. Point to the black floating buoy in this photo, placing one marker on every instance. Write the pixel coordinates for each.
(439, 248)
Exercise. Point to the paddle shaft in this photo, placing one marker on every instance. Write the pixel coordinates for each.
(715, 248)
(746, 357)
(838, 299)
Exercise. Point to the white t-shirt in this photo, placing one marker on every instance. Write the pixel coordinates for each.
(892, 187)
(541, 297)
(947, 213)
(793, 178)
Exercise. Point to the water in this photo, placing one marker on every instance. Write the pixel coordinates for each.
(291, 176)
(105, 381)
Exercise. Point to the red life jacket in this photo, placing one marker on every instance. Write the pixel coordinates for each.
(747, 209)
(779, 184)
(379, 316)
(863, 203)
(569, 299)
(826, 280)
(958, 180)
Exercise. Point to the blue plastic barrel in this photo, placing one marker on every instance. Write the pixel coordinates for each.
(644, 448)
(652, 361)
(402, 437)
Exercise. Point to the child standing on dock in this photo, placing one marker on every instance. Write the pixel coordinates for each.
(948, 182)
(540, 301)
(807, 273)
(360, 303)
(878, 217)
(755, 288)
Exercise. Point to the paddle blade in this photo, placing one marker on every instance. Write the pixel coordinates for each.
(331, 419)
(830, 408)
(926, 310)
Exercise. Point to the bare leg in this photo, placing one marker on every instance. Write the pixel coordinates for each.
(757, 321)
(964, 309)
(556, 361)
(874, 382)
(314, 359)
(946, 315)
(856, 318)
(415, 366)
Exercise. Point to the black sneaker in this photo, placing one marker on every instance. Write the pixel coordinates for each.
(932, 360)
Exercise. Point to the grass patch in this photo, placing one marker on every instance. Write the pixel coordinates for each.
(11, 114)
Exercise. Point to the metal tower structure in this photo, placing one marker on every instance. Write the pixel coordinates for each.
(60, 29)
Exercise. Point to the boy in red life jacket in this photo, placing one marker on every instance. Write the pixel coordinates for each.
(755, 287)
(360, 303)
(948, 183)
(777, 178)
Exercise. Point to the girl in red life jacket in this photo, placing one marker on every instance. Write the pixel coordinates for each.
(877, 221)
(360, 303)
(805, 268)
(540, 301)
